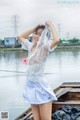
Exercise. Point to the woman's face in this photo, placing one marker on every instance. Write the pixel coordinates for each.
(37, 35)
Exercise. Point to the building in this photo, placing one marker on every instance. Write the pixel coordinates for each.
(10, 41)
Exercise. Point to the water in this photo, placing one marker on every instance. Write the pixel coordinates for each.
(60, 67)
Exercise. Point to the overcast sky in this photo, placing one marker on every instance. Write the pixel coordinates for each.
(65, 16)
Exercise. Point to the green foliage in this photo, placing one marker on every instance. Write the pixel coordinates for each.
(74, 40)
(1, 42)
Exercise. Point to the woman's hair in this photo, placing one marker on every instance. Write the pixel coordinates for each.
(39, 27)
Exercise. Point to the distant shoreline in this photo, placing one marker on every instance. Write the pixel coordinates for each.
(77, 47)
(71, 47)
(11, 49)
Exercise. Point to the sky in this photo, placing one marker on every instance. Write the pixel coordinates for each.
(65, 15)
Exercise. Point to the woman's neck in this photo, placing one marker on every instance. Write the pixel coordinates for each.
(35, 44)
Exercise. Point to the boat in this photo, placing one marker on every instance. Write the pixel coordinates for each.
(67, 93)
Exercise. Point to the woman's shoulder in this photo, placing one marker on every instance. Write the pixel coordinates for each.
(26, 44)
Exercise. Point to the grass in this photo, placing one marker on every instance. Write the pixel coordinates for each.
(10, 49)
(58, 48)
(77, 47)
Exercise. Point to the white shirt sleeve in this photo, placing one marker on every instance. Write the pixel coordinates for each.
(26, 45)
(48, 44)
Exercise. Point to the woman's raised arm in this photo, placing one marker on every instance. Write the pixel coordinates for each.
(25, 34)
(54, 34)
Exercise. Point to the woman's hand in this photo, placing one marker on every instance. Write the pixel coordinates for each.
(49, 23)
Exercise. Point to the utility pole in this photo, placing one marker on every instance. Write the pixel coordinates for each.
(15, 25)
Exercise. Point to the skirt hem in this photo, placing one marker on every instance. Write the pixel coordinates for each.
(40, 102)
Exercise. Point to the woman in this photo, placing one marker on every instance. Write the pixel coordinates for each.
(37, 91)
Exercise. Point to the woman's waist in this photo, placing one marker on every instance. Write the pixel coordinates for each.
(35, 78)
(35, 69)
(31, 63)
(35, 73)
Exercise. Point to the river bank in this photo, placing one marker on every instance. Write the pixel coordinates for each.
(77, 47)
(10, 49)
(72, 47)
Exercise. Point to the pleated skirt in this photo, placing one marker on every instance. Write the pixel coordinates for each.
(38, 92)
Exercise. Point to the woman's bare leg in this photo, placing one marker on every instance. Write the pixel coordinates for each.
(36, 111)
(46, 111)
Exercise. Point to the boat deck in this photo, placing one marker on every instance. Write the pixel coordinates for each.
(67, 94)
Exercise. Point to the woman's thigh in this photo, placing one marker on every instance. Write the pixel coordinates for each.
(46, 111)
(36, 111)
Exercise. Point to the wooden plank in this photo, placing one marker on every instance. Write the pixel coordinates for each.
(75, 90)
(68, 102)
(71, 84)
(62, 91)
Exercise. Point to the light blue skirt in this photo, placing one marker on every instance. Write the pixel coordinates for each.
(38, 92)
